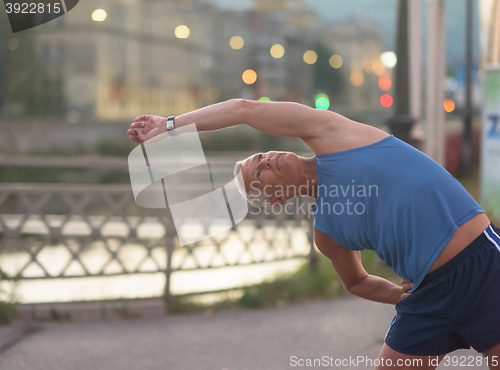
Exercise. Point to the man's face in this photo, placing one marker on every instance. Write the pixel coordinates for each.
(272, 173)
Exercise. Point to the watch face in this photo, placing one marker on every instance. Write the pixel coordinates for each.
(170, 123)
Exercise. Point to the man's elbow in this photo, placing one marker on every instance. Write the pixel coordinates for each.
(353, 287)
(349, 288)
(242, 108)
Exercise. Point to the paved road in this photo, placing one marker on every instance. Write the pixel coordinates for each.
(231, 340)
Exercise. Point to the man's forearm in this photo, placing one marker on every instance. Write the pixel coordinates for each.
(275, 118)
(214, 117)
(376, 289)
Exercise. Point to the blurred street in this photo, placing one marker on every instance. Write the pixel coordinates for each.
(233, 340)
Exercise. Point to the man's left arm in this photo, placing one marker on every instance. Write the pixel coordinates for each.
(347, 264)
(274, 118)
(378, 289)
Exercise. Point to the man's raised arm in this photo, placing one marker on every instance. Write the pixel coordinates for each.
(275, 118)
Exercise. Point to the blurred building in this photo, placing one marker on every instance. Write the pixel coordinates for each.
(129, 63)
(223, 64)
(132, 62)
(360, 45)
(237, 41)
(131, 58)
(295, 28)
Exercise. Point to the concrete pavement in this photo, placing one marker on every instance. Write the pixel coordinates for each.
(232, 340)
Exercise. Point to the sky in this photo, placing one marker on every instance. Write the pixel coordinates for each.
(383, 15)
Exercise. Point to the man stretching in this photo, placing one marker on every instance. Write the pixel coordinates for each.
(418, 219)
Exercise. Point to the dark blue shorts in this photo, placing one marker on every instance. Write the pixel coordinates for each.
(456, 306)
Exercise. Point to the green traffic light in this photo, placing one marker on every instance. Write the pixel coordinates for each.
(322, 101)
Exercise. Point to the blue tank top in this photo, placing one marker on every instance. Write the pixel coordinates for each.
(391, 198)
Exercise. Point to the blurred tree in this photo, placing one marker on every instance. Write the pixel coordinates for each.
(26, 87)
(4, 49)
(327, 79)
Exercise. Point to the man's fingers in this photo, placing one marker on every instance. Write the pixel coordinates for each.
(133, 135)
(143, 128)
(132, 132)
(140, 124)
(137, 136)
(144, 117)
(139, 129)
(142, 135)
(134, 138)
(406, 287)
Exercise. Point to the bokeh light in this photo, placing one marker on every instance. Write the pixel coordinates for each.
(99, 15)
(182, 31)
(357, 78)
(355, 65)
(310, 57)
(249, 76)
(14, 43)
(384, 82)
(336, 61)
(378, 67)
(386, 100)
(449, 105)
(236, 42)
(367, 65)
(389, 59)
(264, 98)
(277, 51)
(321, 101)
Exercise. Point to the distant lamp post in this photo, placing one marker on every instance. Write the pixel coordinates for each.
(401, 123)
(389, 59)
(249, 76)
(310, 57)
(467, 164)
(277, 51)
(236, 42)
(182, 31)
(99, 15)
(336, 61)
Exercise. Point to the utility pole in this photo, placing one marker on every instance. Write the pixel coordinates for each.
(415, 63)
(467, 165)
(401, 123)
(436, 62)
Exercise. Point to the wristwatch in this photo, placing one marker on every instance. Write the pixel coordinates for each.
(170, 123)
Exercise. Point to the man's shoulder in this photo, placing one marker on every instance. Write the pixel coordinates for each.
(352, 135)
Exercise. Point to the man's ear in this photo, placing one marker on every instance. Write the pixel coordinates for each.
(277, 200)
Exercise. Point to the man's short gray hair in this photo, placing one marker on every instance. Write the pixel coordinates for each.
(256, 198)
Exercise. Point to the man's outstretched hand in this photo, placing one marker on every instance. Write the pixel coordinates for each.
(145, 127)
